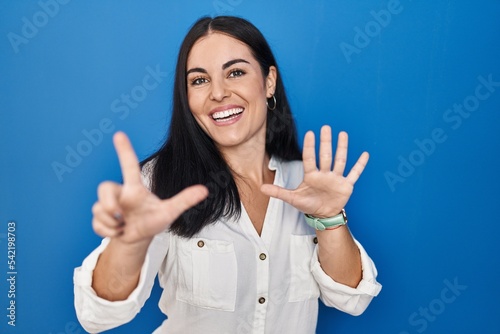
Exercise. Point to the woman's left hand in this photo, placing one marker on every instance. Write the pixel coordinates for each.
(324, 192)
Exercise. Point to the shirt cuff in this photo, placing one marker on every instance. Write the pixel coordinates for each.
(341, 296)
(97, 314)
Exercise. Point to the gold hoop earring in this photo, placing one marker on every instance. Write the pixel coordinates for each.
(274, 105)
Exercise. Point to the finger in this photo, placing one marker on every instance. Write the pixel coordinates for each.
(358, 168)
(107, 219)
(308, 153)
(341, 153)
(108, 194)
(277, 192)
(128, 159)
(325, 149)
(105, 231)
(184, 200)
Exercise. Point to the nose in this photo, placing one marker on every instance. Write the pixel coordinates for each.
(218, 90)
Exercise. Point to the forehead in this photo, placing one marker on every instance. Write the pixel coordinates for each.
(217, 48)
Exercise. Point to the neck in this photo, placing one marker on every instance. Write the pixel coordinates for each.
(249, 163)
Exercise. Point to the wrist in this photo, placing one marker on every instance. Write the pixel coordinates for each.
(133, 249)
(334, 228)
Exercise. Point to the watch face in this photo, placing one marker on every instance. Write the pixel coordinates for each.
(344, 215)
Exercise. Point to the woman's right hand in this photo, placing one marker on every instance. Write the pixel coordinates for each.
(130, 213)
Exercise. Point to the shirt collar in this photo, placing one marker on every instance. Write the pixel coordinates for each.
(273, 163)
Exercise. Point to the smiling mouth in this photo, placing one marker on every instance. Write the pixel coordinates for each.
(226, 115)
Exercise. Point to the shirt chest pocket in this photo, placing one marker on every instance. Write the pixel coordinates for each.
(207, 273)
(302, 283)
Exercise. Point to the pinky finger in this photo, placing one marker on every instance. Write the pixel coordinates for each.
(106, 231)
(105, 218)
(358, 168)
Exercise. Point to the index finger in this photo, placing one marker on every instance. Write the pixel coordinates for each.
(308, 153)
(129, 163)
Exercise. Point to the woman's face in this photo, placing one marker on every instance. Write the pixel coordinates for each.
(227, 91)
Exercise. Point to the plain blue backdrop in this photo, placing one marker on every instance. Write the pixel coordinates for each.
(417, 84)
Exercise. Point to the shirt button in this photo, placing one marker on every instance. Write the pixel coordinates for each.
(262, 256)
(315, 240)
(262, 300)
(201, 243)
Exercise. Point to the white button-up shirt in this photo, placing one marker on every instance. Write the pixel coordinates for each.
(228, 279)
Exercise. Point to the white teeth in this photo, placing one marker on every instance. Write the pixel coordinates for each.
(226, 113)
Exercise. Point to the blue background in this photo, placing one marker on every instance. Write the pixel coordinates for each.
(436, 224)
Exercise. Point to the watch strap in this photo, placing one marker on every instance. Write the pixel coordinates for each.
(322, 224)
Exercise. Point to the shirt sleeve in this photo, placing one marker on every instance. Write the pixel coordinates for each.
(353, 301)
(97, 314)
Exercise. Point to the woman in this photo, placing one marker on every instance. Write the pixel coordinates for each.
(224, 224)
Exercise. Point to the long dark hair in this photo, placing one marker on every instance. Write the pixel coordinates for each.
(189, 156)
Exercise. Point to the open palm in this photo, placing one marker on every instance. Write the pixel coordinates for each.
(324, 191)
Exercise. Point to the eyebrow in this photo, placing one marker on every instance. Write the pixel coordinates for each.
(224, 66)
(234, 61)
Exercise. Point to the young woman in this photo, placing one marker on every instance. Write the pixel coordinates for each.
(243, 235)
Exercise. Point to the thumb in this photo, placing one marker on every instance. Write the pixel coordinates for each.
(277, 192)
(184, 200)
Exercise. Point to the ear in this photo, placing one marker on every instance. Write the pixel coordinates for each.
(271, 81)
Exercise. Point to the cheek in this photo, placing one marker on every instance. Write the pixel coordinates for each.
(196, 108)
(200, 122)
(195, 103)
(255, 92)
(260, 101)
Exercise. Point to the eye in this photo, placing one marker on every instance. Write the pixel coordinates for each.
(198, 81)
(236, 73)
